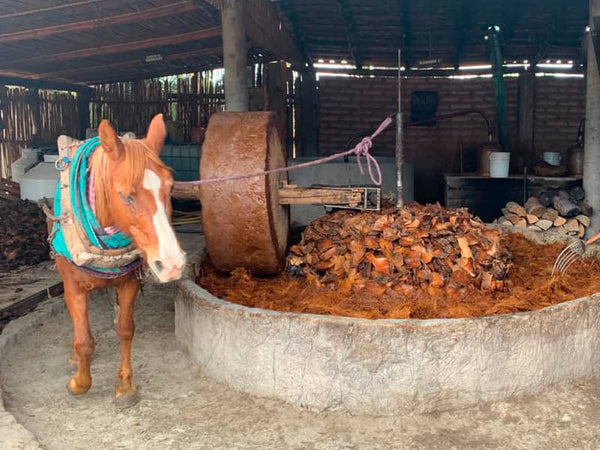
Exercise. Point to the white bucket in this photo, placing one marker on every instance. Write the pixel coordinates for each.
(552, 158)
(499, 163)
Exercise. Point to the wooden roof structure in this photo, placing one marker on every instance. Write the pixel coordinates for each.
(369, 32)
(67, 43)
(53, 42)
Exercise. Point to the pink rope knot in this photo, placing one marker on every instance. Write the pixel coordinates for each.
(362, 149)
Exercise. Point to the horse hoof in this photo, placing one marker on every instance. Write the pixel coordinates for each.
(127, 400)
(74, 389)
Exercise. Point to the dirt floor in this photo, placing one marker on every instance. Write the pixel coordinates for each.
(183, 409)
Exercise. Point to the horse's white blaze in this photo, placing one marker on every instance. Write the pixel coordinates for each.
(170, 252)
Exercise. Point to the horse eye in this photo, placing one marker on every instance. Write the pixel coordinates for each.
(128, 200)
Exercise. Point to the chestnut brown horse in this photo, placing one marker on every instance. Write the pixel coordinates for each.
(132, 192)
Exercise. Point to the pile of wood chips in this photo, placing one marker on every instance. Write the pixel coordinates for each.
(398, 250)
(23, 234)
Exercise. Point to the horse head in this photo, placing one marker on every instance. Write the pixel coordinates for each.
(133, 188)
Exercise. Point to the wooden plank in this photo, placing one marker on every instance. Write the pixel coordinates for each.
(48, 9)
(119, 19)
(81, 71)
(294, 195)
(174, 39)
(24, 305)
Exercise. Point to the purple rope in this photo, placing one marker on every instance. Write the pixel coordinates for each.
(361, 149)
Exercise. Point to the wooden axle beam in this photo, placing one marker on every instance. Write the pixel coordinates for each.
(291, 194)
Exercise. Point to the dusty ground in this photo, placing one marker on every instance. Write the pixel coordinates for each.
(182, 409)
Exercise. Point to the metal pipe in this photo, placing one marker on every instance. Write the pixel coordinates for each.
(399, 145)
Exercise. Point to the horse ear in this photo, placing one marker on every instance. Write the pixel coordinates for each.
(155, 138)
(109, 140)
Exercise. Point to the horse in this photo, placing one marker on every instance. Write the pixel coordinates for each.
(130, 187)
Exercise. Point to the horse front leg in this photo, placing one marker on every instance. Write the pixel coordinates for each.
(126, 393)
(83, 341)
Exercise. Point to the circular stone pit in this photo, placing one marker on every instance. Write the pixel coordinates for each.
(387, 366)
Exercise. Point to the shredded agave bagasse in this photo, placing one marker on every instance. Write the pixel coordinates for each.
(497, 275)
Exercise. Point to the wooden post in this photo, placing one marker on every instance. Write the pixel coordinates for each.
(526, 113)
(308, 114)
(399, 146)
(83, 112)
(591, 156)
(275, 89)
(499, 90)
(234, 55)
(36, 114)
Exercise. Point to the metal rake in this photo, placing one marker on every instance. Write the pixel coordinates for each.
(571, 253)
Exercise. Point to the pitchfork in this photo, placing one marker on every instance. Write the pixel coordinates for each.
(571, 253)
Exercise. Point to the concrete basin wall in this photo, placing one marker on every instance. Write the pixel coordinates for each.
(387, 367)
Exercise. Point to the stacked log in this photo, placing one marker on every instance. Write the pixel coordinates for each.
(425, 246)
(23, 234)
(563, 212)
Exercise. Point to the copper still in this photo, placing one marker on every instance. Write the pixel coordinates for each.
(484, 157)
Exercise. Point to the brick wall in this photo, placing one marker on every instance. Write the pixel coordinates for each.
(348, 106)
(560, 105)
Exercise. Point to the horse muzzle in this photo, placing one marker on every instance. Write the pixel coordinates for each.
(168, 269)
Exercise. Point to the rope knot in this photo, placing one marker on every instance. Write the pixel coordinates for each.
(362, 149)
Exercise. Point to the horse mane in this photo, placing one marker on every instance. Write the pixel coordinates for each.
(137, 157)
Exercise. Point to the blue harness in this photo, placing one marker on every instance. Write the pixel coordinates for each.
(86, 219)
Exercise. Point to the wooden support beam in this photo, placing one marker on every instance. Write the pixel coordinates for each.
(265, 29)
(36, 115)
(163, 41)
(138, 63)
(290, 10)
(462, 22)
(130, 17)
(43, 84)
(526, 115)
(307, 123)
(138, 75)
(48, 9)
(235, 55)
(83, 113)
(350, 30)
(559, 13)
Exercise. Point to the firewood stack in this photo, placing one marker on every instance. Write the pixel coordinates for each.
(23, 234)
(418, 246)
(558, 211)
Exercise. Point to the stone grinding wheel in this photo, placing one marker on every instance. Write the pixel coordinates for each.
(244, 224)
